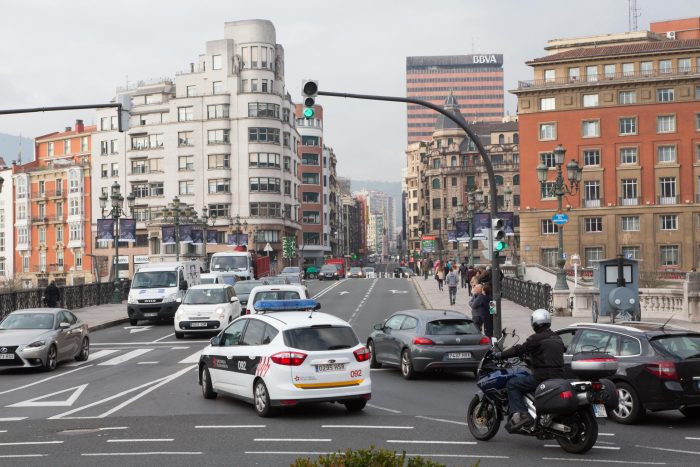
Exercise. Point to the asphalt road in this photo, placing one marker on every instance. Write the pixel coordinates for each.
(137, 402)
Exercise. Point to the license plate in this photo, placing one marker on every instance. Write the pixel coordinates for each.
(198, 325)
(459, 355)
(599, 411)
(150, 315)
(330, 367)
(7, 356)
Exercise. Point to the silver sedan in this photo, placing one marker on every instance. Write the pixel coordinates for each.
(42, 337)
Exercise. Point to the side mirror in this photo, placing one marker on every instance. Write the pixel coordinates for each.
(63, 325)
(178, 299)
(317, 306)
(214, 341)
(379, 327)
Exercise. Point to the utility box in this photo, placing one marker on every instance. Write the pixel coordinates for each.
(618, 292)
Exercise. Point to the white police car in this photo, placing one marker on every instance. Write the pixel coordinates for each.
(285, 358)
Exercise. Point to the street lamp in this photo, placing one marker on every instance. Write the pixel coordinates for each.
(207, 221)
(116, 212)
(474, 197)
(175, 213)
(559, 189)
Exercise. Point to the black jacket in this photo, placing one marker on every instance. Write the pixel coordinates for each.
(52, 295)
(546, 350)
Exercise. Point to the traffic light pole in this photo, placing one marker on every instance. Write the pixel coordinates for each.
(117, 106)
(495, 267)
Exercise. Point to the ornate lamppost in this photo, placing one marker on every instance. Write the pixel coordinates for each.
(178, 213)
(559, 188)
(474, 196)
(116, 212)
(207, 221)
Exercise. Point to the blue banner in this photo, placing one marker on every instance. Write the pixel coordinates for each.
(168, 235)
(186, 234)
(237, 239)
(451, 235)
(462, 233)
(105, 229)
(197, 236)
(212, 237)
(127, 230)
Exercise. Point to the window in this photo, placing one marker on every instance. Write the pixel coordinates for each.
(590, 128)
(666, 153)
(66, 146)
(697, 122)
(264, 185)
(668, 222)
(286, 164)
(219, 210)
(59, 209)
(590, 100)
(264, 110)
(592, 73)
(217, 111)
(311, 217)
(191, 91)
(574, 74)
(216, 62)
(669, 255)
(628, 155)
(217, 87)
(591, 193)
(219, 161)
(310, 140)
(684, 65)
(219, 185)
(646, 68)
(50, 149)
(42, 235)
(115, 169)
(665, 66)
(186, 187)
(549, 257)
(263, 236)
(667, 190)
(627, 97)
(155, 189)
(630, 223)
(629, 192)
(436, 204)
(264, 160)
(628, 125)
(592, 255)
(549, 76)
(628, 69)
(310, 197)
(591, 157)
(185, 138)
(548, 159)
(104, 170)
(147, 142)
(59, 233)
(308, 178)
(665, 123)
(593, 224)
(218, 136)
(84, 144)
(436, 163)
(547, 227)
(548, 131)
(185, 163)
(665, 95)
(78, 255)
(546, 103)
(75, 232)
(22, 235)
(609, 70)
(309, 159)
(75, 207)
(312, 238)
(185, 114)
(546, 190)
(264, 135)
(632, 252)
(42, 261)
(437, 223)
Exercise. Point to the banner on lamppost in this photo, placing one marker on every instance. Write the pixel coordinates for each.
(243, 239)
(482, 220)
(167, 233)
(212, 237)
(127, 230)
(197, 236)
(186, 234)
(451, 235)
(508, 218)
(237, 239)
(462, 231)
(105, 229)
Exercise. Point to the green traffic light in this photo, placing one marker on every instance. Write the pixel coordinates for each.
(309, 113)
(500, 246)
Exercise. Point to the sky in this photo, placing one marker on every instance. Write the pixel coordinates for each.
(69, 52)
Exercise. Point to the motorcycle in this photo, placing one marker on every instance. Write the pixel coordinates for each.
(564, 410)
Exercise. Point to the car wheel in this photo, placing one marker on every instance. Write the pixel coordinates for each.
(261, 399)
(629, 410)
(373, 363)
(407, 365)
(84, 352)
(355, 405)
(691, 412)
(51, 358)
(133, 322)
(207, 390)
(179, 335)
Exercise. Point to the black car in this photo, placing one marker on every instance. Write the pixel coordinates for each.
(423, 340)
(659, 366)
(328, 272)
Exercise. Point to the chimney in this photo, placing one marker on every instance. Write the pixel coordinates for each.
(79, 126)
(191, 67)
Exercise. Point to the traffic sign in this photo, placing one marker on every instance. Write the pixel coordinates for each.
(560, 218)
(268, 247)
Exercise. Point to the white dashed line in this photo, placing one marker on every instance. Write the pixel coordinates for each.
(667, 449)
(147, 363)
(406, 441)
(370, 427)
(228, 426)
(602, 461)
(441, 420)
(12, 419)
(141, 440)
(27, 443)
(12, 456)
(295, 440)
(154, 453)
(383, 408)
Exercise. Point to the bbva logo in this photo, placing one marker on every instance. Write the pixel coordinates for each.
(484, 59)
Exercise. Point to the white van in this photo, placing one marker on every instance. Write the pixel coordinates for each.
(155, 288)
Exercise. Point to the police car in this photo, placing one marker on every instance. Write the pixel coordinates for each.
(275, 292)
(287, 354)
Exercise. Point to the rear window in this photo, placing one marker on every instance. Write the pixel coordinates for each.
(321, 338)
(277, 295)
(442, 327)
(684, 347)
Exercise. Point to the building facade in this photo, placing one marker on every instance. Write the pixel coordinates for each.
(7, 253)
(221, 136)
(475, 80)
(628, 112)
(52, 199)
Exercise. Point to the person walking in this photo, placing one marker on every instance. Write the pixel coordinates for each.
(485, 310)
(426, 269)
(452, 280)
(463, 274)
(440, 276)
(52, 295)
(470, 276)
(474, 303)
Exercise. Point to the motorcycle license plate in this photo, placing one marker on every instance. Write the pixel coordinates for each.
(459, 355)
(599, 411)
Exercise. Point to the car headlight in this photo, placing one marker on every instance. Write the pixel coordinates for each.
(335, 273)
(131, 299)
(220, 312)
(179, 314)
(36, 344)
(170, 298)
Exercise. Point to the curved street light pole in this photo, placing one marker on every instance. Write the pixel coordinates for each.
(116, 212)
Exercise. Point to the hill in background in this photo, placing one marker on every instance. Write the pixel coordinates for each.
(9, 148)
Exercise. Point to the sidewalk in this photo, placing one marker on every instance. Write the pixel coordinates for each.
(514, 315)
(103, 316)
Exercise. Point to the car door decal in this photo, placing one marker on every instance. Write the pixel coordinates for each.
(263, 367)
(235, 364)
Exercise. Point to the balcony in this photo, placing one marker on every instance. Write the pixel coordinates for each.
(629, 201)
(591, 203)
(667, 200)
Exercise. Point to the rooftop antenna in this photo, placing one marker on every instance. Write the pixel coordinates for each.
(19, 153)
(632, 14)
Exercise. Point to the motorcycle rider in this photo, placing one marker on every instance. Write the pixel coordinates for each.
(546, 350)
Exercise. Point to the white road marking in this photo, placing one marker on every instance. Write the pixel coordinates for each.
(612, 448)
(179, 348)
(362, 302)
(12, 419)
(12, 456)
(393, 291)
(606, 434)
(42, 381)
(326, 290)
(153, 453)
(125, 357)
(113, 428)
(692, 438)
(382, 369)
(300, 440)
(27, 443)
(147, 363)
(93, 356)
(377, 427)
(194, 358)
(343, 292)
(3, 431)
(155, 344)
(292, 453)
(39, 402)
(229, 426)
(406, 441)
(602, 461)
(142, 440)
(164, 337)
(464, 456)
(383, 408)
(135, 329)
(667, 449)
(441, 420)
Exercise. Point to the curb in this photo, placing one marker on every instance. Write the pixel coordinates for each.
(423, 298)
(108, 324)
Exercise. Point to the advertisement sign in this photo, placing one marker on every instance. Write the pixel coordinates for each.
(105, 229)
(237, 239)
(140, 259)
(127, 230)
(428, 244)
(197, 236)
(462, 231)
(186, 234)
(482, 220)
(451, 235)
(212, 237)
(168, 234)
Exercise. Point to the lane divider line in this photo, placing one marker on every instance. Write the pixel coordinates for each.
(601, 461)
(41, 381)
(142, 440)
(28, 443)
(296, 440)
(383, 408)
(667, 449)
(441, 420)
(407, 441)
(93, 356)
(228, 426)
(152, 453)
(371, 427)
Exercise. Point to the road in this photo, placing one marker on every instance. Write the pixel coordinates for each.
(136, 401)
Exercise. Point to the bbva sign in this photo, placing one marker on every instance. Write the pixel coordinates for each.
(484, 59)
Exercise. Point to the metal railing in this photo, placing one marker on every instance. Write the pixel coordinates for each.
(644, 75)
(533, 295)
(72, 297)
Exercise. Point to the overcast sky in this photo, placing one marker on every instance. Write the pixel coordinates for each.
(63, 52)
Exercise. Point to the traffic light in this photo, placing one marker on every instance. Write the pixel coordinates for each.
(309, 90)
(498, 234)
(486, 233)
(125, 114)
(354, 256)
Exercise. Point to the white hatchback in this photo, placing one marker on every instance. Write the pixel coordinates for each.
(206, 308)
(287, 358)
(275, 292)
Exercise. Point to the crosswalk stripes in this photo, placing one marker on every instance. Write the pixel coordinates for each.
(128, 355)
(125, 357)
(94, 356)
(194, 358)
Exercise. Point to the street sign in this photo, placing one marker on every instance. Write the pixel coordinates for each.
(268, 247)
(560, 218)
(629, 255)
(564, 255)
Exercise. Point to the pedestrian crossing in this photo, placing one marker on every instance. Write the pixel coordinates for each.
(126, 355)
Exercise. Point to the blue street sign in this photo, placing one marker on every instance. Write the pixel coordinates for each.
(629, 256)
(560, 219)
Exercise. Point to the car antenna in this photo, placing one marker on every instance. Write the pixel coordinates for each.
(663, 326)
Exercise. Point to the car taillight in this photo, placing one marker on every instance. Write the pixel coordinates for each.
(289, 358)
(566, 395)
(596, 386)
(422, 341)
(663, 370)
(362, 354)
(485, 341)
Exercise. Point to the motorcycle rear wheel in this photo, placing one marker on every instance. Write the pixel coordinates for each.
(586, 433)
(486, 426)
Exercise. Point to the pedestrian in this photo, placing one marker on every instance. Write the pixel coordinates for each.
(474, 304)
(485, 310)
(485, 277)
(452, 280)
(475, 279)
(463, 274)
(52, 295)
(440, 276)
(426, 269)
(470, 276)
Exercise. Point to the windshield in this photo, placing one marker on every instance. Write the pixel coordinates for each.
(230, 280)
(245, 287)
(204, 297)
(323, 337)
(684, 347)
(153, 279)
(450, 327)
(229, 263)
(290, 270)
(368, 269)
(207, 280)
(28, 321)
(329, 268)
